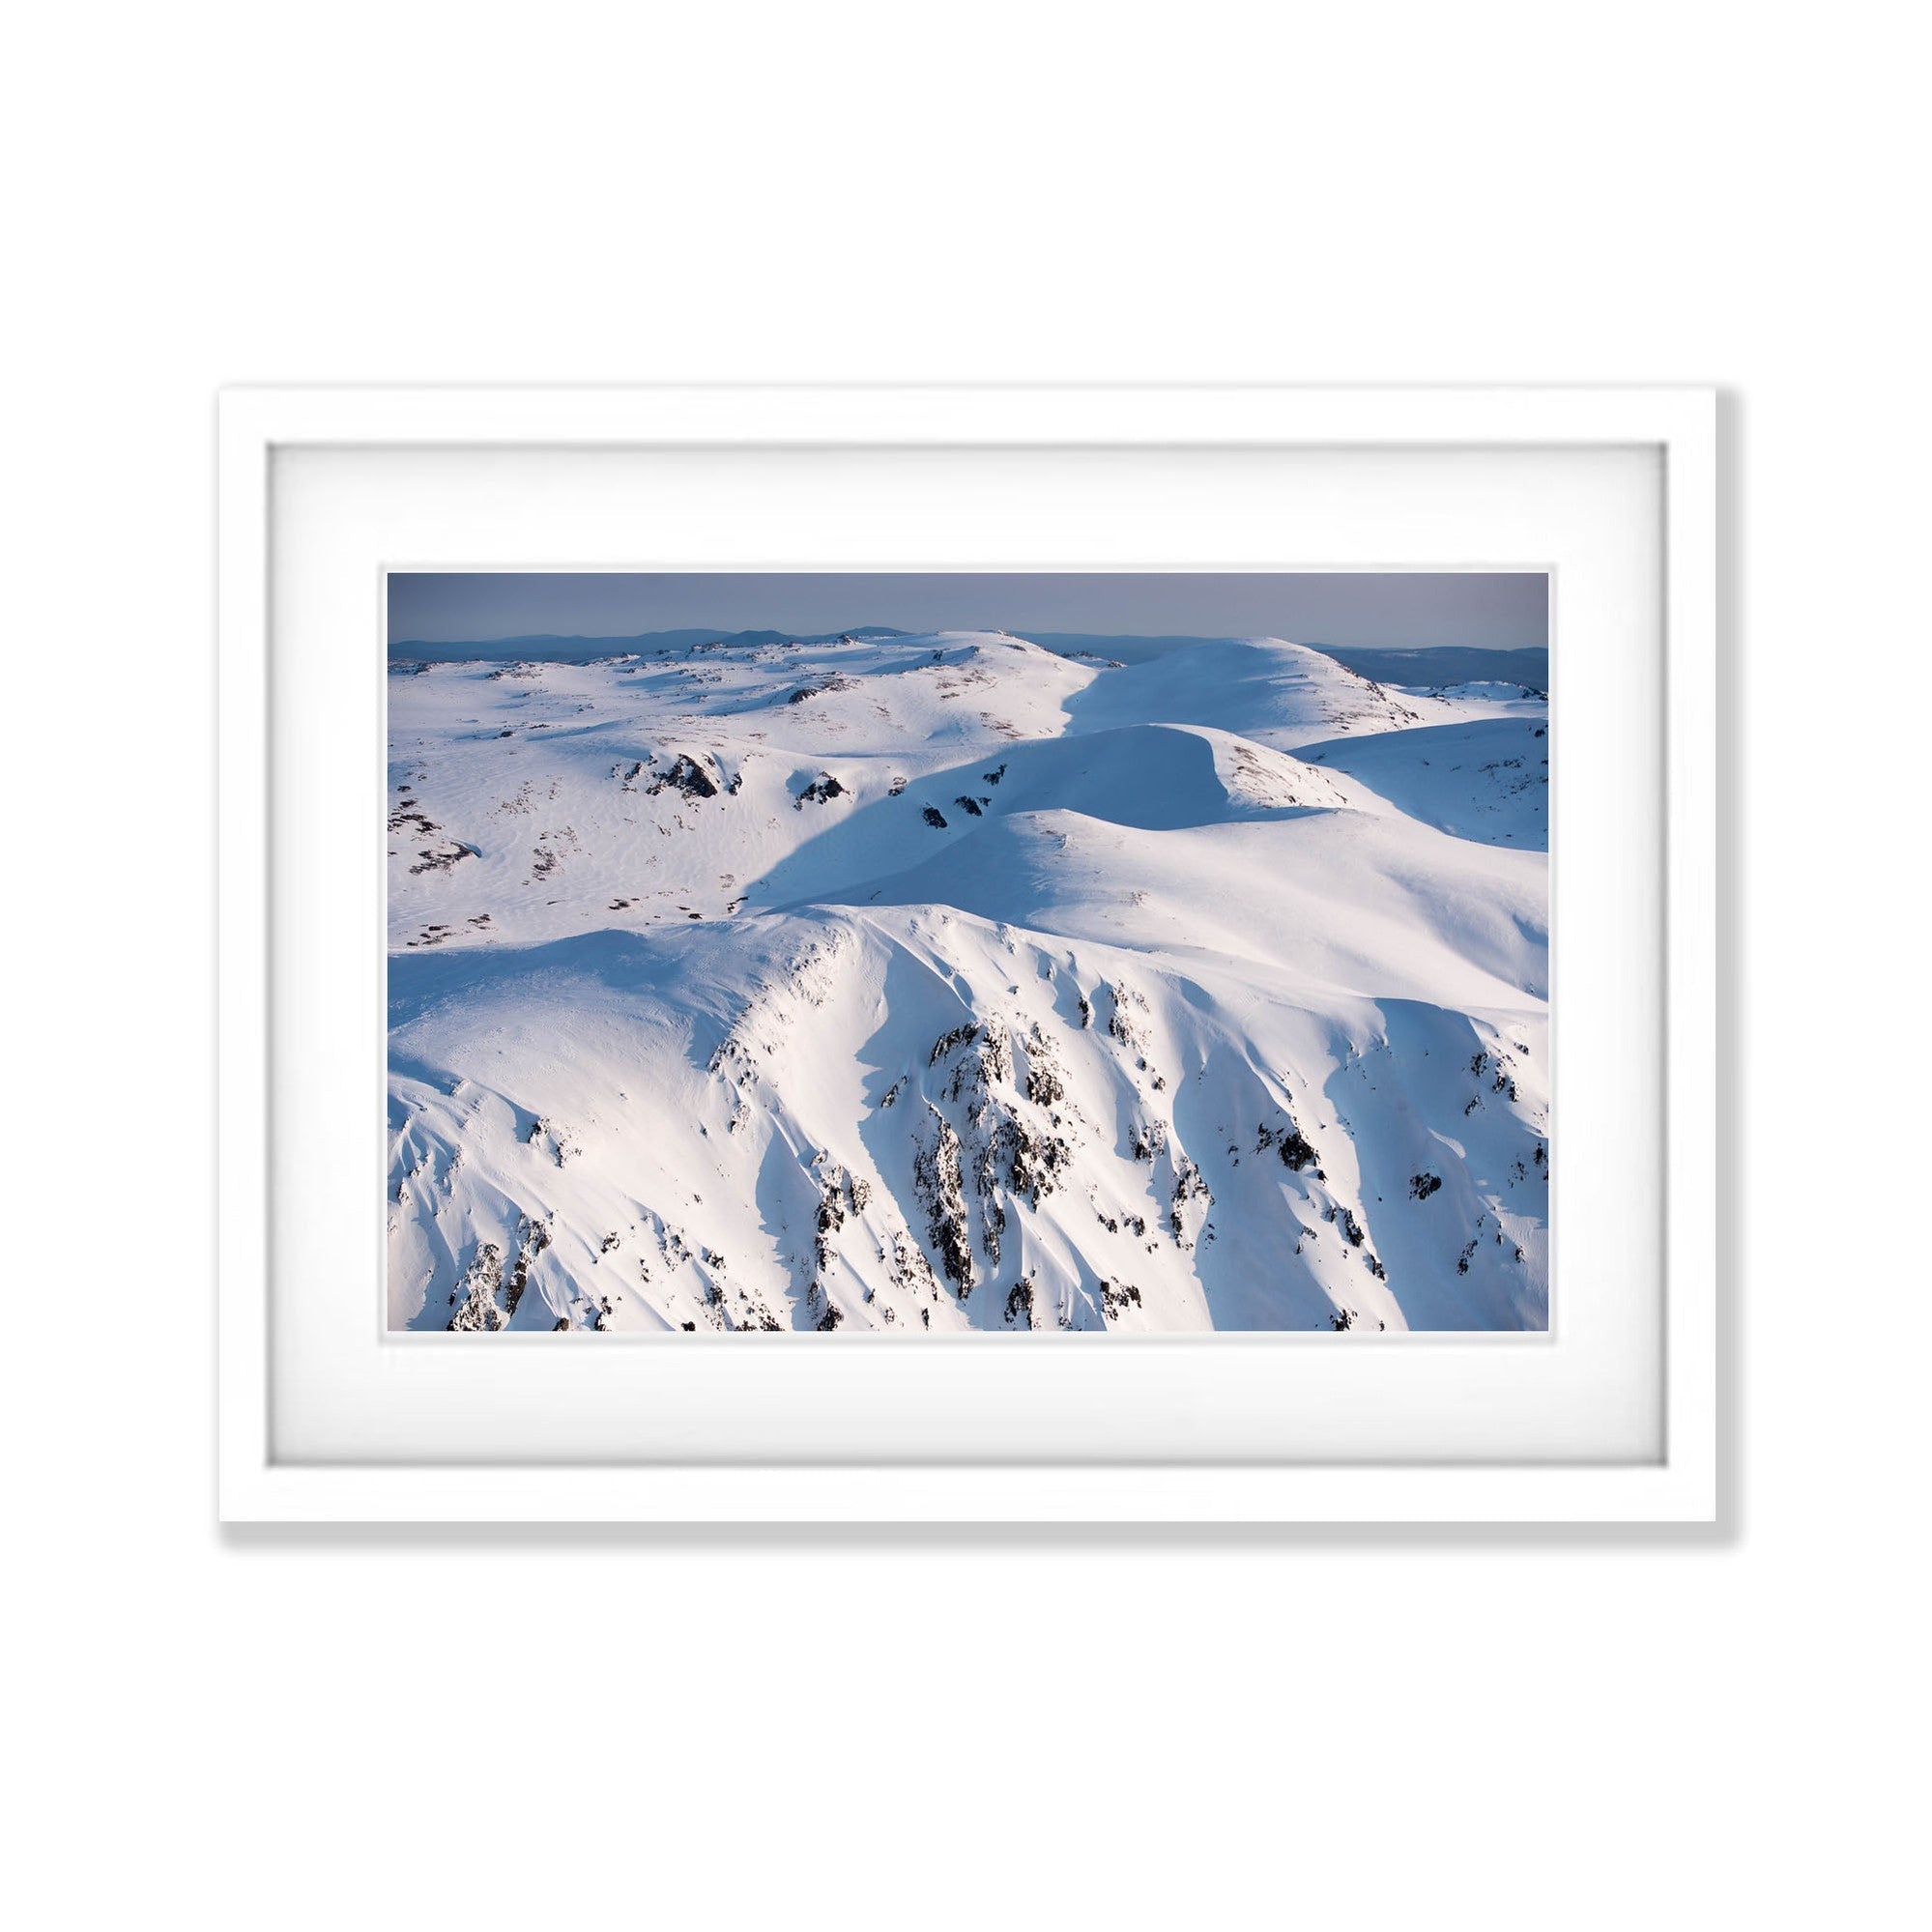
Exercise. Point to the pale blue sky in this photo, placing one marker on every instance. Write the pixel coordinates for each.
(1484, 609)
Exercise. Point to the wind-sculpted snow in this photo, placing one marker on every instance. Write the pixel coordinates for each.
(932, 984)
(1488, 780)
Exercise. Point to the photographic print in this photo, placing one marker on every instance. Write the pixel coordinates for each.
(929, 954)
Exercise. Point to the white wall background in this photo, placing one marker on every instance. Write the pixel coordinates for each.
(913, 1730)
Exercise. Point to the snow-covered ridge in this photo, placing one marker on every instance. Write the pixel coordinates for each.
(944, 982)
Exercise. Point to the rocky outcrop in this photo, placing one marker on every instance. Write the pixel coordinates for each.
(1294, 1147)
(1190, 1187)
(822, 791)
(937, 1183)
(487, 1296)
(977, 1153)
(688, 776)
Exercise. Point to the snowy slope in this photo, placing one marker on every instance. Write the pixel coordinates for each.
(1487, 780)
(934, 983)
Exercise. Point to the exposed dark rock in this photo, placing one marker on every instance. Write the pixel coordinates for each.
(480, 1310)
(839, 1191)
(444, 857)
(688, 776)
(1422, 1186)
(804, 692)
(821, 792)
(1189, 1185)
(936, 1181)
(1043, 1087)
(1121, 1021)
(934, 818)
(946, 1042)
(1033, 1162)
(974, 1075)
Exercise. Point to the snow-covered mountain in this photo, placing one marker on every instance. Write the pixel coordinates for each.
(947, 982)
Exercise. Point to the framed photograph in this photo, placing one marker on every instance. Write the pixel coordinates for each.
(961, 954)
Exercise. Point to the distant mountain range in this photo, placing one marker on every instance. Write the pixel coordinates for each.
(1442, 664)
(1428, 666)
(549, 648)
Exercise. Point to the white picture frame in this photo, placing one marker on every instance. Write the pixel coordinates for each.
(485, 435)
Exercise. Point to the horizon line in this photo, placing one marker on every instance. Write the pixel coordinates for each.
(1028, 632)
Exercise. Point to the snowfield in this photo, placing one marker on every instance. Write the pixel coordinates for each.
(945, 983)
